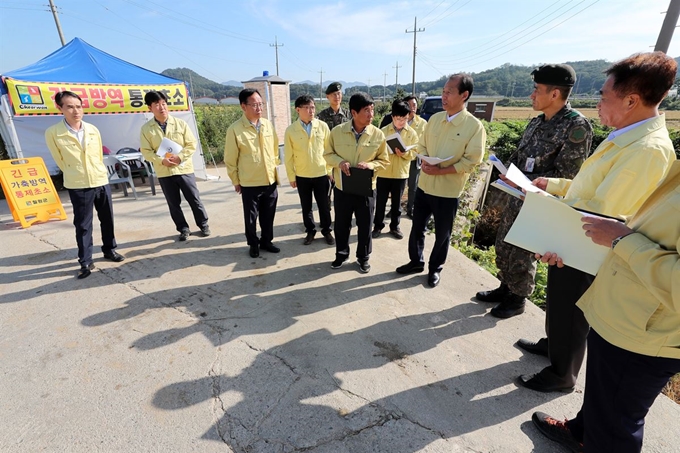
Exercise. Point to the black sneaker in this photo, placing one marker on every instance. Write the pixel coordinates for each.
(184, 235)
(271, 248)
(337, 264)
(556, 430)
(364, 267)
(205, 231)
(375, 233)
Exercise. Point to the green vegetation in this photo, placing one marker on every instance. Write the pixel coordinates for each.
(213, 122)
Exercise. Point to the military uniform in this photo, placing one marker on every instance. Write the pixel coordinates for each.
(332, 118)
(554, 148)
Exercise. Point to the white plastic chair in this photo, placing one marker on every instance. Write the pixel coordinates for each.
(115, 177)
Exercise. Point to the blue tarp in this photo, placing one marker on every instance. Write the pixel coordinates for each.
(79, 62)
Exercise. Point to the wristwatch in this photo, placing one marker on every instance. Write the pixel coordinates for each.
(616, 241)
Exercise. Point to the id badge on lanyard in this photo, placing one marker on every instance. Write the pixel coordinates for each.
(529, 166)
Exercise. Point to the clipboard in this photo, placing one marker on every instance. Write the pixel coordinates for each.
(360, 182)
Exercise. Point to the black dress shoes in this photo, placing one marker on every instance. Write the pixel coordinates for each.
(254, 251)
(538, 348)
(330, 240)
(433, 279)
(114, 256)
(271, 248)
(539, 383)
(410, 268)
(85, 271)
(512, 305)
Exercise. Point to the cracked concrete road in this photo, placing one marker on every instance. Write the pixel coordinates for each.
(196, 346)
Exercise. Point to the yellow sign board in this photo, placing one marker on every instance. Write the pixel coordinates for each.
(29, 191)
(37, 98)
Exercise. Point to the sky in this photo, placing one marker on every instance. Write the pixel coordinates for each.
(350, 40)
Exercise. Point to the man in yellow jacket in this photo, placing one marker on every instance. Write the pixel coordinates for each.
(355, 144)
(76, 147)
(614, 181)
(392, 179)
(251, 153)
(304, 145)
(175, 171)
(458, 137)
(633, 308)
(417, 123)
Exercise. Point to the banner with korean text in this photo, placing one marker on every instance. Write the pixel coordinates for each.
(37, 98)
(29, 190)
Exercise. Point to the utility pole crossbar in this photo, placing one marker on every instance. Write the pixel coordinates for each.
(415, 32)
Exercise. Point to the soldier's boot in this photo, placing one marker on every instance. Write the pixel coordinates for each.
(513, 305)
(495, 295)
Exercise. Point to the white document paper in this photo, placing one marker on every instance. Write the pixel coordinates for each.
(502, 185)
(546, 224)
(520, 179)
(433, 160)
(168, 146)
(498, 164)
(395, 141)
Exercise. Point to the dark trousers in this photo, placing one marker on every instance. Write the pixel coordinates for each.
(320, 188)
(620, 388)
(260, 200)
(565, 324)
(413, 174)
(385, 188)
(363, 209)
(83, 200)
(186, 184)
(444, 211)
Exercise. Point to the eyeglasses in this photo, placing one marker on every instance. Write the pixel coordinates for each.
(307, 107)
(255, 106)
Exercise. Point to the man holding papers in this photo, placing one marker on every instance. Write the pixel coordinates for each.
(172, 162)
(355, 145)
(614, 181)
(304, 144)
(392, 179)
(633, 308)
(554, 144)
(251, 153)
(458, 138)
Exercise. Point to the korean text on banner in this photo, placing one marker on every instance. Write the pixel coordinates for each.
(29, 191)
(37, 98)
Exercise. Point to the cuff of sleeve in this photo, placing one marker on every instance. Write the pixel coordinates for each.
(460, 168)
(629, 244)
(553, 185)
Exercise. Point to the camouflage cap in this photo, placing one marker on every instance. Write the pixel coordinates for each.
(555, 74)
(333, 87)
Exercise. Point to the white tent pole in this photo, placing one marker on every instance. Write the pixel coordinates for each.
(11, 137)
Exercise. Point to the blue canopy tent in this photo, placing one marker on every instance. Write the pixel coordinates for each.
(79, 63)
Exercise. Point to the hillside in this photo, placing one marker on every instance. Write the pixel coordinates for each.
(507, 80)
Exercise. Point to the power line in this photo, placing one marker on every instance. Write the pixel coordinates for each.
(433, 9)
(276, 46)
(415, 33)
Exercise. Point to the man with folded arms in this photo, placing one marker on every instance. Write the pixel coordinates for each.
(614, 181)
(392, 179)
(76, 147)
(361, 145)
(251, 154)
(554, 144)
(633, 308)
(175, 171)
(304, 145)
(456, 135)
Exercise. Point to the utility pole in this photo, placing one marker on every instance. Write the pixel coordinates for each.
(56, 21)
(385, 86)
(415, 33)
(396, 78)
(276, 45)
(667, 28)
(368, 87)
(321, 85)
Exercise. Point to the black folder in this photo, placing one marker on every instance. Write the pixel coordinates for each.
(359, 182)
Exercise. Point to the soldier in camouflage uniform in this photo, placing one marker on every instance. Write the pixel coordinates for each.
(554, 144)
(334, 114)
